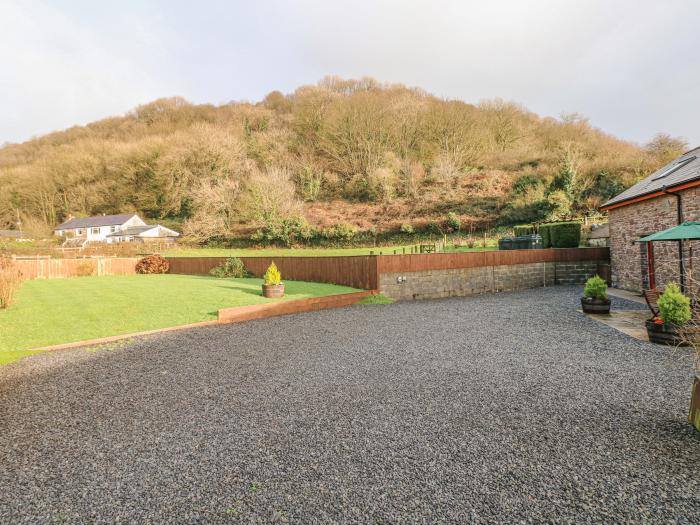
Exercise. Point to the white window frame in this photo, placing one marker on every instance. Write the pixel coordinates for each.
(95, 231)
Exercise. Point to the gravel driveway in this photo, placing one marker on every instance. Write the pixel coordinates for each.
(497, 408)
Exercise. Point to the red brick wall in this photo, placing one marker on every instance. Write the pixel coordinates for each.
(631, 222)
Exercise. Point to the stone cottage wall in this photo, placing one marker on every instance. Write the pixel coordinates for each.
(629, 223)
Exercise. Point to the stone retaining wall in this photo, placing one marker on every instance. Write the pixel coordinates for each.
(432, 284)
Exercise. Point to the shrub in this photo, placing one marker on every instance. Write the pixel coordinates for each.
(152, 264)
(272, 275)
(341, 233)
(596, 288)
(231, 267)
(10, 278)
(674, 306)
(433, 228)
(86, 269)
(407, 229)
(285, 231)
(523, 229)
(452, 223)
(560, 234)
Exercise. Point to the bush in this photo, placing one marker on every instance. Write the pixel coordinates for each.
(152, 264)
(232, 267)
(452, 223)
(272, 275)
(560, 234)
(596, 288)
(407, 229)
(674, 306)
(285, 231)
(340, 233)
(10, 278)
(523, 229)
(86, 269)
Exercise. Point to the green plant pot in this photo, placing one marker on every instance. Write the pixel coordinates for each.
(273, 290)
(595, 306)
(694, 414)
(664, 334)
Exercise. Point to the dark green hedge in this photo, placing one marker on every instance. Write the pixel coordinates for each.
(523, 229)
(560, 234)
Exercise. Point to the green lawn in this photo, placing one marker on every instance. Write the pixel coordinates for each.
(304, 252)
(54, 311)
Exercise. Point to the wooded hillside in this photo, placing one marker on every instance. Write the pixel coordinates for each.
(359, 154)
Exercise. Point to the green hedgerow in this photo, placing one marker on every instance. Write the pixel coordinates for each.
(596, 288)
(407, 229)
(674, 306)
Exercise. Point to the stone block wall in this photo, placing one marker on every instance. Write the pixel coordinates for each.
(631, 222)
(433, 284)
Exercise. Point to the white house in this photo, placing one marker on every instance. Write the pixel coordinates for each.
(125, 227)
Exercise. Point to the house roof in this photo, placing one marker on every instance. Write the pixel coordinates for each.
(682, 170)
(137, 230)
(99, 220)
(133, 230)
(13, 234)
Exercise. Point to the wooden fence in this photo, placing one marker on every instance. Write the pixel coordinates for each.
(356, 271)
(59, 268)
(363, 271)
(447, 261)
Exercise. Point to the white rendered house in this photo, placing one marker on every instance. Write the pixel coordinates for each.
(125, 227)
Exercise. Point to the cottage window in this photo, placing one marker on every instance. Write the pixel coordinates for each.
(95, 231)
(112, 229)
(78, 231)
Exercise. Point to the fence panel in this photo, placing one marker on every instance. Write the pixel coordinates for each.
(60, 268)
(356, 271)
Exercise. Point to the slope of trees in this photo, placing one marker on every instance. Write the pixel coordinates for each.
(351, 152)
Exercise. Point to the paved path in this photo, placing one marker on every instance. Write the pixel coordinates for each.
(488, 409)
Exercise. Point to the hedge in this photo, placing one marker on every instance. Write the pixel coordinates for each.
(560, 234)
(523, 229)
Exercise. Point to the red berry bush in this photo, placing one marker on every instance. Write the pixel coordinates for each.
(152, 264)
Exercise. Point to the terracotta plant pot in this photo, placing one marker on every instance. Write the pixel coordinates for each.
(273, 290)
(664, 334)
(595, 306)
(694, 414)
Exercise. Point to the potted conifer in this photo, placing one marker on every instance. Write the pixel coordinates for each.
(595, 296)
(272, 285)
(674, 313)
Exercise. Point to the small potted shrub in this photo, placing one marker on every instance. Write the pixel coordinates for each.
(674, 313)
(273, 285)
(595, 296)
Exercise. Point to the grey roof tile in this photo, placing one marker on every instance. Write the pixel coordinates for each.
(99, 220)
(689, 171)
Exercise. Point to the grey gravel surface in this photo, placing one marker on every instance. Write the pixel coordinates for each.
(507, 408)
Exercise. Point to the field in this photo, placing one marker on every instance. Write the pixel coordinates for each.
(310, 252)
(48, 312)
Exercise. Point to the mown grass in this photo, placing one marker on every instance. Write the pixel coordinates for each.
(55, 311)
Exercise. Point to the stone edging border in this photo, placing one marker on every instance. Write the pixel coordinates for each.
(233, 315)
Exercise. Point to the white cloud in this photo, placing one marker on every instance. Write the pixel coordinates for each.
(58, 71)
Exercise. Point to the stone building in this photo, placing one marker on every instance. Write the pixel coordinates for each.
(664, 199)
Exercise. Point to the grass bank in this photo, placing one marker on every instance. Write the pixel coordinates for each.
(55, 311)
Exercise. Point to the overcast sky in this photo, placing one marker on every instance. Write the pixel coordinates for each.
(631, 66)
